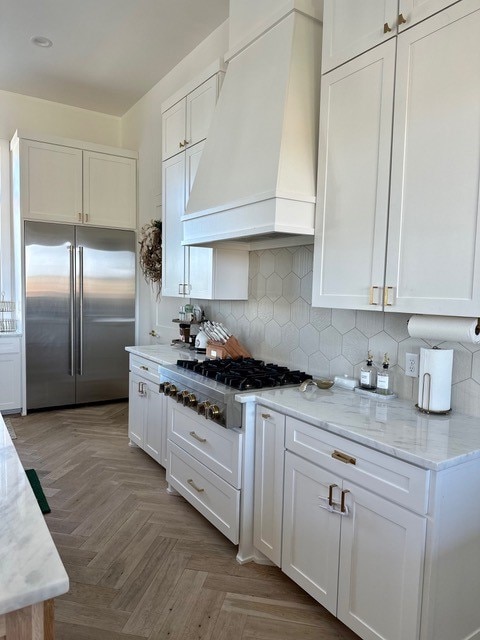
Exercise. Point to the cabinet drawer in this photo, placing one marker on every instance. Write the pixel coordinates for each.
(394, 479)
(217, 448)
(9, 345)
(214, 498)
(145, 368)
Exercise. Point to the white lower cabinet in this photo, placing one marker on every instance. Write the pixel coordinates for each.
(269, 463)
(353, 556)
(204, 466)
(345, 522)
(10, 375)
(146, 410)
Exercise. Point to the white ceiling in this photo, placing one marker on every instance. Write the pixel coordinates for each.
(106, 53)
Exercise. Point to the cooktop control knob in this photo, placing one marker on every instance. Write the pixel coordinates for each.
(181, 396)
(172, 390)
(214, 412)
(202, 408)
(189, 400)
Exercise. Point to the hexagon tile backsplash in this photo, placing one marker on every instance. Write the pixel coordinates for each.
(277, 323)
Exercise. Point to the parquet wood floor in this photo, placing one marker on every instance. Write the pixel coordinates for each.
(143, 563)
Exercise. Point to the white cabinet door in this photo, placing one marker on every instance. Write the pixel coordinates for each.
(109, 190)
(136, 409)
(381, 567)
(433, 258)
(173, 130)
(412, 11)
(353, 181)
(200, 267)
(155, 425)
(200, 105)
(351, 27)
(173, 254)
(51, 182)
(10, 374)
(268, 499)
(310, 547)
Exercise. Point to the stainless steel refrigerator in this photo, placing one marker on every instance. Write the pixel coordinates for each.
(80, 313)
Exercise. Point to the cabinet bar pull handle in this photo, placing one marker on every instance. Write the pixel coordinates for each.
(386, 296)
(266, 416)
(142, 366)
(386, 28)
(330, 494)
(343, 509)
(86, 217)
(343, 457)
(400, 19)
(192, 484)
(373, 291)
(197, 437)
(79, 216)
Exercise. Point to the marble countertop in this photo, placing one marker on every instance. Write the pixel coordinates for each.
(164, 353)
(394, 427)
(30, 568)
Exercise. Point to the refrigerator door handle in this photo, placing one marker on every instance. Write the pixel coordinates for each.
(80, 311)
(72, 308)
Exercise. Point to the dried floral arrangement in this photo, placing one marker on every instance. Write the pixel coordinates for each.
(151, 251)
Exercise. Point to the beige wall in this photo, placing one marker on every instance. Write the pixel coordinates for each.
(141, 129)
(51, 118)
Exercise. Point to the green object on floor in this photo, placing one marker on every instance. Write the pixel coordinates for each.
(37, 490)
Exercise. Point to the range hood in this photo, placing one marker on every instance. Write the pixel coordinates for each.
(256, 180)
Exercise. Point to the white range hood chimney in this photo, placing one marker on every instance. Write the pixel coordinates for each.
(257, 175)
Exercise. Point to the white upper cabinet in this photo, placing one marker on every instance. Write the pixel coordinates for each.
(353, 181)
(51, 182)
(109, 190)
(433, 257)
(187, 121)
(351, 27)
(173, 253)
(62, 183)
(413, 11)
(173, 130)
(197, 272)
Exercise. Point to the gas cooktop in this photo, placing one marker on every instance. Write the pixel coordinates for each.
(245, 373)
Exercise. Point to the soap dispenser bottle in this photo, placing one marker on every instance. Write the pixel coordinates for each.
(368, 374)
(384, 379)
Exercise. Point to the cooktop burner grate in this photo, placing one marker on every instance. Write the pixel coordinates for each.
(245, 373)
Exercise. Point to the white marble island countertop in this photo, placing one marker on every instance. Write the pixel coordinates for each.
(30, 568)
(394, 427)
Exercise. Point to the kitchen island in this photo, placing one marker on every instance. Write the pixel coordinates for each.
(31, 571)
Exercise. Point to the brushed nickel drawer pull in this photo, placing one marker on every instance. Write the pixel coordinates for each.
(266, 416)
(344, 457)
(192, 484)
(197, 437)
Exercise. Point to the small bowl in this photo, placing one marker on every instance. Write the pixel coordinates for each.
(321, 383)
(324, 383)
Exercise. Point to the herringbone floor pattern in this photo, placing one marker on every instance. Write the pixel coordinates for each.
(142, 563)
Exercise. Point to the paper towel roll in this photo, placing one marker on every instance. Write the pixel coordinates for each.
(435, 379)
(444, 328)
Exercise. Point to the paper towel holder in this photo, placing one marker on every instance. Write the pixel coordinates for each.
(428, 378)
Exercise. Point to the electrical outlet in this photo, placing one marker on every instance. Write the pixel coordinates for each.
(411, 365)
